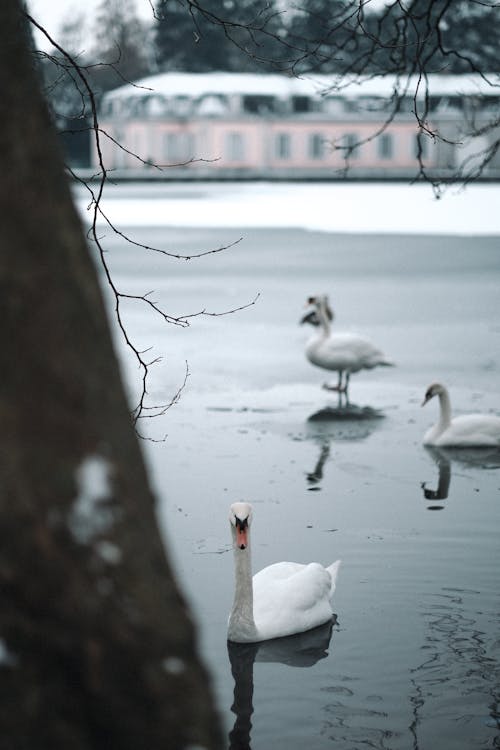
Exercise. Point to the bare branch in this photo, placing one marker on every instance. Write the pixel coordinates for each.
(76, 71)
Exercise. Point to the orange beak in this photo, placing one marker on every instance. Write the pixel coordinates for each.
(241, 537)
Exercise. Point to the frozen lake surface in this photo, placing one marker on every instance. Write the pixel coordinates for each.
(413, 659)
(331, 207)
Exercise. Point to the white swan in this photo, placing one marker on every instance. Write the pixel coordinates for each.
(280, 600)
(341, 352)
(467, 431)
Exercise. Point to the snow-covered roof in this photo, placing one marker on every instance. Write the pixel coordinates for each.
(200, 84)
(195, 85)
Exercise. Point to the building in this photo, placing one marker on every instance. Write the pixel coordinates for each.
(241, 125)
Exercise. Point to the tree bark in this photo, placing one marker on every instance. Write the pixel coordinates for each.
(97, 648)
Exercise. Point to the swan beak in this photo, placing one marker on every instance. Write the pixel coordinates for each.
(241, 537)
(242, 529)
(427, 398)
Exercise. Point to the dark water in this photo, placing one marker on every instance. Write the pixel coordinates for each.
(413, 659)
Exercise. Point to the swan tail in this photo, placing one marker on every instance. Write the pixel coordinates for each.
(333, 569)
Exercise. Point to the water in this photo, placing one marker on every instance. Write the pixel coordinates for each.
(413, 659)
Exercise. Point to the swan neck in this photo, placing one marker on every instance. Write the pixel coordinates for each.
(241, 622)
(323, 317)
(444, 410)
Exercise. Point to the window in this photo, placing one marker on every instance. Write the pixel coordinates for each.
(181, 106)
(235, 146)
(421, 144)
(350, 105)
(283, 146)
(316, 146)
(371, 104)
(301, 104)
(179, 147)
(351, 146)
(385, 146)
(258, 104)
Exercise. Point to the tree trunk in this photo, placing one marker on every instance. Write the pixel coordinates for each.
(96, 645)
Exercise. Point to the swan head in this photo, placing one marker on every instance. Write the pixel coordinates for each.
(318, 303)
(311, 317)
(240, 517)
(435, 389)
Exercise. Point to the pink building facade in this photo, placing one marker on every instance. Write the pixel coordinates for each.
(231, 125)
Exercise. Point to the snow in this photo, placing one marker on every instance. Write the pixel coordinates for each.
(7, 658)
(359, 208)
(173, 665)
(89, 516)
(200, 84)
(109, 552)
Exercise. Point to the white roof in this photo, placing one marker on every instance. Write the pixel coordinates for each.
(196, 85)
(200, 84)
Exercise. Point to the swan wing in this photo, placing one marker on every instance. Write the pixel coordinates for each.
(346, 351)
(290, 598)
(472, 430)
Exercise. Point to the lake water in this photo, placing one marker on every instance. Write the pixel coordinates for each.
(413, 658)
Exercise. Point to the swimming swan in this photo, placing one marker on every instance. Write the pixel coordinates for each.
(341, 352)
(467, 431)
(280, 600)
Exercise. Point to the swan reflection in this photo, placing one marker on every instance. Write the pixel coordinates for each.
(344, 422)
(341, 423)
(482, 458)
(316, 475)
(443, 487)
(301, 650)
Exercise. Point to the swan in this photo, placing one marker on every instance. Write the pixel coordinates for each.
(467, 431)
(342, 352)
(282, 599)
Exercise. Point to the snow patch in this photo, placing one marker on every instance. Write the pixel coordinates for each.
(109, 552)
(89, 516)
(7, 658)
(173, 665)
(359, 208)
